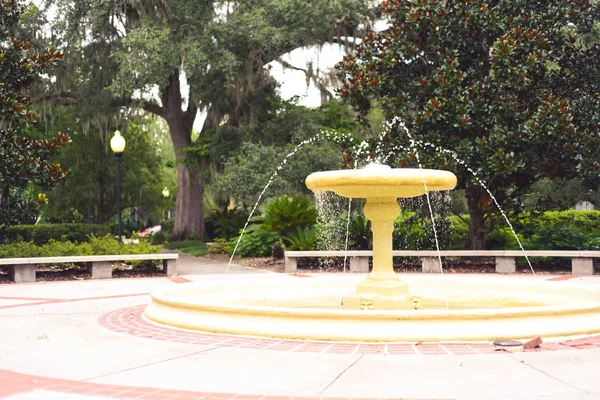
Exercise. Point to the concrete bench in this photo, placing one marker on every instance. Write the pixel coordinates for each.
(100, 267)
(582, 262)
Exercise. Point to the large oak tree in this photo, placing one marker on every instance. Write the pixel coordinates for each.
(120, 52)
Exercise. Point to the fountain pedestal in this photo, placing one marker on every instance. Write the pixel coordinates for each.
(382, 290)
(381, 186)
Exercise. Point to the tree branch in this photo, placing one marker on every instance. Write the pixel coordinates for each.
(154, 109)
(64, 98)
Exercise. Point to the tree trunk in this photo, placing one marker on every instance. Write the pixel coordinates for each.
(476, 219)
(189, 221)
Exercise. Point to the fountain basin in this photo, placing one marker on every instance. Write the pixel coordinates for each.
(481, 309)
(381, 181)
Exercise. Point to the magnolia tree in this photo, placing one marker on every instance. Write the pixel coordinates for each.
(499, 92)
(24, 160)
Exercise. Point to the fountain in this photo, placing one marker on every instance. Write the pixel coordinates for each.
(381, 186)
(419, 308)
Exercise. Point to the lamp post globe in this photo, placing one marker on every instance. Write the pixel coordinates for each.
(117, 144)
(166, 192)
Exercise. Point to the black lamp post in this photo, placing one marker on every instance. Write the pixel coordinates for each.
(117, 144)
(166, 194)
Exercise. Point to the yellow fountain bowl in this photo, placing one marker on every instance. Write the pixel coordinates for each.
(484, 308)
(381, 181)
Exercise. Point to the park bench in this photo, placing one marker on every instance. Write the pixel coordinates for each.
(582, 262)
(100, 267)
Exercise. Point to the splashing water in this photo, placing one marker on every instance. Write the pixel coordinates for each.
(464, 164)
(347, 233)
(323, 134)
(398, 121)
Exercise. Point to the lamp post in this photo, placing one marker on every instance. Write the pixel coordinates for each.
(166, 194)
(117, 144)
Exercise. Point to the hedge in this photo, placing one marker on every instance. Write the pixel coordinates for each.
(43, 233)
(106, 245)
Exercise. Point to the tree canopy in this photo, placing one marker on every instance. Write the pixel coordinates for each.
(118, 53)
(510, 88)
(25, 161)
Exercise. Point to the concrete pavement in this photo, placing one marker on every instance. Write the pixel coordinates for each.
(54, 345)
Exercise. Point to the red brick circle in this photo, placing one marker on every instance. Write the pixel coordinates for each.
(131, 321)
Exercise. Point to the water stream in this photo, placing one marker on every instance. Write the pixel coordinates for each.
(323, 134)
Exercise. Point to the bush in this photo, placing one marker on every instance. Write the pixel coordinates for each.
(225, 222)
(256, 242)
(302, 238)
(360, 236)
(503, 239)
(42, 233)
(158, 238)
(284, 214)
(128, 224)
(97, 246)
(410, 233)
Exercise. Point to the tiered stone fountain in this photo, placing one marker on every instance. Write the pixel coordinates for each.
(381, 186)
(382, 307)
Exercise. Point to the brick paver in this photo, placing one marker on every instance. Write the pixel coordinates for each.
(131, 321)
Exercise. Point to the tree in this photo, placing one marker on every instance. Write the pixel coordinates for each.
(219, 47)
(89, 192)
(511, 88)
(25, 161)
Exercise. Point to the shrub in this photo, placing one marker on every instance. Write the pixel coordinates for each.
(302, 238)
(256, 242)
(360, 236)
(158, 238)
(284, 214)
(128, 224)
(97, 246)
(225, 222)
(503, 239)
(410, 233)
(42, 233)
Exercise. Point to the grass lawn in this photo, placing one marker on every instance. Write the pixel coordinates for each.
(193, 247)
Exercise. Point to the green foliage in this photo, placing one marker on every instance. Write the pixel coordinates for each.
(221, 49)
(504, 238)
(129, 224)
(256, 242)
(360, 236)
(25, 161)
(410, 232)
(508, 87)
(159, 237)
(167, 225)
(559, 194)
(89, 192)
(562, 230)
(225, 222)
(284, 214)
(193, 247)
(43, 233)
(96, 246)
(459, 236)
(302, 239)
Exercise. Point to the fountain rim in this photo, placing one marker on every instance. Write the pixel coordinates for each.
(382, 175)
(476, 313)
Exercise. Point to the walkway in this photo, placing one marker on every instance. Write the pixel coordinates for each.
(87, 340)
